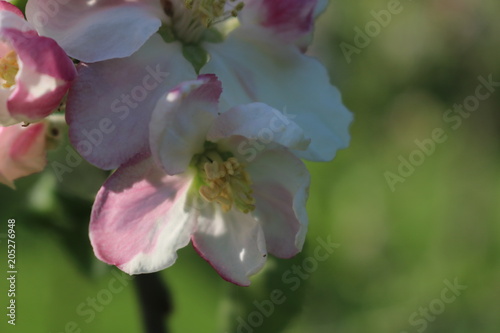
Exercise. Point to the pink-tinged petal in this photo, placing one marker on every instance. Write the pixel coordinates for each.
(233, 243)
(139, 219)
(33, 100)
(44, 76)
(110, 103)
(181, 120)
(11, 18)
(238, 78)
(40, 54)
(6, 6)
(282, 77)
(287, 20)
(281, 184)
(259, 123)
(22, 151)
(96, 30)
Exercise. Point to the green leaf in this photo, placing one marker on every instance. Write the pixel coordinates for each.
(167, 34)
(213, 36)
(196, 55)
(21, 4)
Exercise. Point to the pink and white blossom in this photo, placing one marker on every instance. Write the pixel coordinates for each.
(124, 93)
(199, 187)
(35, 73)
(258, 56)
(22, 151)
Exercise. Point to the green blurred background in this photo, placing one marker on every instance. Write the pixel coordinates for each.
(397, 247)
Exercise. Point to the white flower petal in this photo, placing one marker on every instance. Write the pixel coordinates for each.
(233, 243)
(181, 120)
(284, 78)
(281, 186)
(96, 30)
(258, 122)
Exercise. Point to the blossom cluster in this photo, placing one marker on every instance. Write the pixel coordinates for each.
(204, 109)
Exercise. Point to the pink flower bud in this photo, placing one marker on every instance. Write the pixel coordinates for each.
(35, 73)
(22, 151)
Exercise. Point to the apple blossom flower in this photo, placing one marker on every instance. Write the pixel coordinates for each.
(35, 73)
(23, 149)
(255, 47)
(199, 187)
(121, 94)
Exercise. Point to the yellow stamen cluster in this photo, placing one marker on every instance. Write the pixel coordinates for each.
(212, 11)
(225, 182)
(8, 69)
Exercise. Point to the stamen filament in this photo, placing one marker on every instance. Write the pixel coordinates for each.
(191, 18)
(9, 69)
(225, 182)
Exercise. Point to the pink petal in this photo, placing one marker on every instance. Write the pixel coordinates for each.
(287, 20)
(110, 103)
(22, 151)
(96, 30)
(260, 123)
(44, 76)
(232, 242)
(25, 103)
(139, 219)
(12, 18)
(6, 6)
(181, 120)
(281, 185)
(40, 54)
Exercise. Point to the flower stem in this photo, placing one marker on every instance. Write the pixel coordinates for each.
(155, 301)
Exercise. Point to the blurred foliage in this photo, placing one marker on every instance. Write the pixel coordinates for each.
(397, 247)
